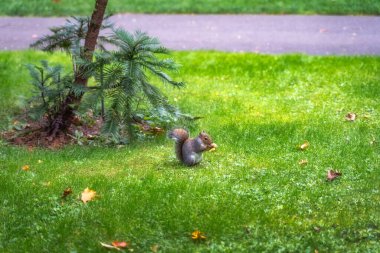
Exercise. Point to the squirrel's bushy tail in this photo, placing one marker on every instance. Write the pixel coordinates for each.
(179, 135)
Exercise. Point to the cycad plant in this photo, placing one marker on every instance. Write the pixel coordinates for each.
(128, 87)
(78, 37)
(123, 76)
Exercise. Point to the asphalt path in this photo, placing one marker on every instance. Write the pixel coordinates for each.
(269, 34)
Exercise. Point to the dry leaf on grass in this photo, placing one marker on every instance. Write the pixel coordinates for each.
(88, 195)
(304, 145)
(66, 192)
(118, 244)
(115, 245)
(331, 175)
(351, 116)
(25, 167)
(198, 235)
(108, 246)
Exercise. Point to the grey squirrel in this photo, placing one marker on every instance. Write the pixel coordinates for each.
(189, 150)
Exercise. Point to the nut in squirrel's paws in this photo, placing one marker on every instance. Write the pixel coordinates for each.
(213, 147)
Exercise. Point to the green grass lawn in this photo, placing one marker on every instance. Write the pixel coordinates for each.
(80, 7)
(250, 195)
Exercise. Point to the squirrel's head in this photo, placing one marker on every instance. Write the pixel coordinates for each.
(206, 140)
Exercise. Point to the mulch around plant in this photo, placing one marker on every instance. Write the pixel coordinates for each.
(34, 134)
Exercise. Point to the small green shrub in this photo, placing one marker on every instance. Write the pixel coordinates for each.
(122, 89)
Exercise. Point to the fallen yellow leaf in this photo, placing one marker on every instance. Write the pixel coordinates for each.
(197, 235)
(88, 195)
(25, 167)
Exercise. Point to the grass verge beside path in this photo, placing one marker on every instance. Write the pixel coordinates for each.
(78, 7)
(250, 195)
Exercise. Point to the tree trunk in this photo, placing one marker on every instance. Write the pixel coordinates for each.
(92, 36)
(64, 118)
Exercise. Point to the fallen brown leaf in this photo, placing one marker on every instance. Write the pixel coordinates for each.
(88, 195)
(120, 244)
(350, 116)
(331, 175)
(66, 192)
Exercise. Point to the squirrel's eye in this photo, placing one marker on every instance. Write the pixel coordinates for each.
(206, 138)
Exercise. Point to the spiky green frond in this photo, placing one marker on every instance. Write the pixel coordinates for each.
(50, 88)
(112, 123)
(139, 51)
(44, 74)
(113, 75)
(165, 78)
(133, 44)
(78, 90)
(70, 36)
(135, 60)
